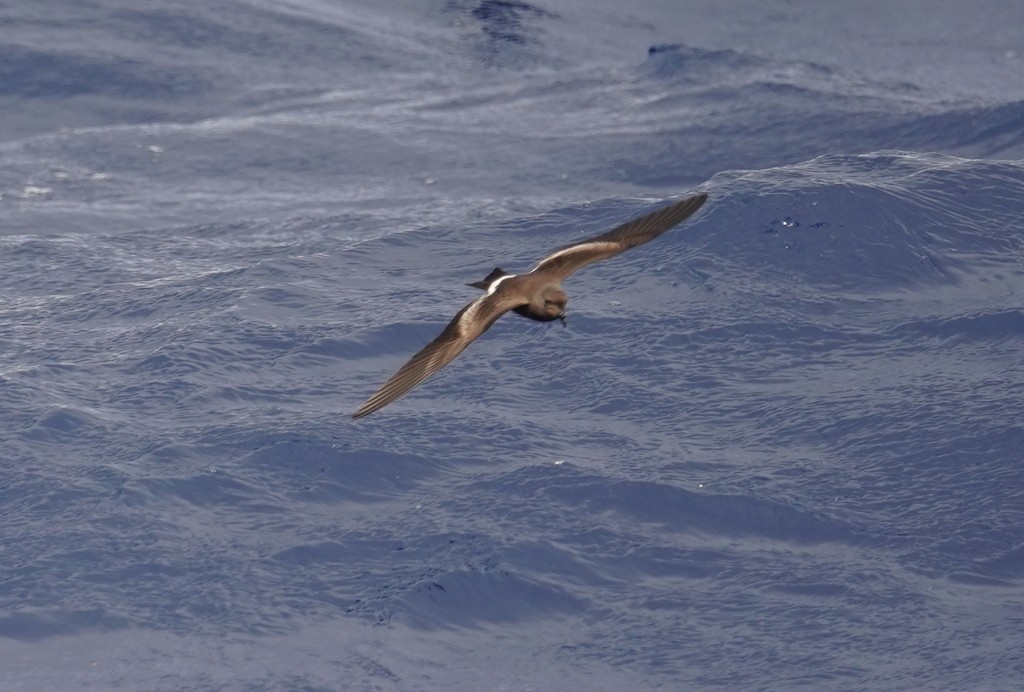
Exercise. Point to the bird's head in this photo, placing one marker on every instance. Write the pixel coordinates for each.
(554, 303)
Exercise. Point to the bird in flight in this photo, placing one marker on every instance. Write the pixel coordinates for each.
(537, 294)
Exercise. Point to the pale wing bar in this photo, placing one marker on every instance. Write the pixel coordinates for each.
(630, 234)
(472, 321)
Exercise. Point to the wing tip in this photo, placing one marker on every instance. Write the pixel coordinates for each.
(371, 405)
(696, 201)
(686, 207)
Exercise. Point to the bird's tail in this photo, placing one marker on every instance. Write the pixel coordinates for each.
(489, 279)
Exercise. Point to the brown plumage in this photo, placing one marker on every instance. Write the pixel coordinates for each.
(537, 295)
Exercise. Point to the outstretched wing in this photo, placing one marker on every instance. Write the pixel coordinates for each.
(472, 321)
(571, 258)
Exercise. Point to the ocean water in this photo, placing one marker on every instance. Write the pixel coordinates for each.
(780, 447)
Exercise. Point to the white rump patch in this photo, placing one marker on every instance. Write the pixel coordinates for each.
(494, 285)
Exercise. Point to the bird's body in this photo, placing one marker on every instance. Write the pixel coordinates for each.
(537, 295)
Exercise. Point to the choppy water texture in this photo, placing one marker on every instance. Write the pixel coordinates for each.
(780, 447)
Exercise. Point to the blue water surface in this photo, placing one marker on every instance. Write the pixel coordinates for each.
(780, 447)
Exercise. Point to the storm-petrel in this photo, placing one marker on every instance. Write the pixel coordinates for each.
(537, 295)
